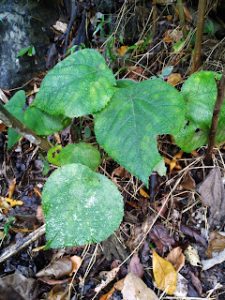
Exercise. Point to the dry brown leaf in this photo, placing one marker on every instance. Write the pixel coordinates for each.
(136, 266)
(177, 258)
(76, 263)
(188, 182)
(121, 172)
(119, 285)
(213, 195)
(165, 274)
(11, 188)
(174, 79)
(173, 163)
(161, 238)
(143, 193)
(108, 295)
(135, 289)
(216, 243)
(58, 268)
(108, 277)
(172, 35)
(122, 50)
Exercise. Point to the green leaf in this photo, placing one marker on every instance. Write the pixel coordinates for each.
(82, 153)
(80, 206)
(79, 85)
(30, 51)
(15, 106)
(43, 123)
(128, 127)
(200, 93)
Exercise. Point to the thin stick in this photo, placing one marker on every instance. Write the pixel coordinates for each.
(22, 243)
(215, 118)
(196, 58)
(180, 7)
(9, 120)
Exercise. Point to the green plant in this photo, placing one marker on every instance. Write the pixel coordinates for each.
(30, 51)
(80, 205)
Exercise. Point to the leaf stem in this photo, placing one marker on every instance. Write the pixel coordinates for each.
(215, 118)
(196, 58)
(10, 121)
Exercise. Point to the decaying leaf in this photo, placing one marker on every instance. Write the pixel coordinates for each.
(193, 233)
(177, 258)
(192, 256)
(108, 295)
(165, 274)
(62, 267)
(122, 50)
(135, 289)
(213, 195)
(188, 182)
(11, 188)
(108, 277)
(174, 79)
(161, 237)
(216, 243)
(136, 266)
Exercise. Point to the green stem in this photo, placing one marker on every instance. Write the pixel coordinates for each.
(10, 121)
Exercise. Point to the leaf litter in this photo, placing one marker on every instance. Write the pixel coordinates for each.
(165, 221)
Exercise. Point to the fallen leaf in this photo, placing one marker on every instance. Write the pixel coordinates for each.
(209, 263)
(216, 243)
(192, 256)
(196, 283)
(76, 263)
(213, 195)
(182, 286)
(11, 188)
(174, 79)
(60, 26)
(135, 72)
(135, 289)
(121, 172)
(108, 295)
(161, 238)
(177, 258)
(13, 202)
(188, 182)
(193, 233)
(143, 193)
(164, 274)
(64, 266)
(172, 35)
(173, 163)
(136, 266)
(108, 277)
(122, 50)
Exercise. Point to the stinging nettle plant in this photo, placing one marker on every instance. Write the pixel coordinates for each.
(80, 205)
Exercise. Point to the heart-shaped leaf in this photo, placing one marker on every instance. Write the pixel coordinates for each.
(200, 93)
(79, 85)
(82, 153)
(128, 127)
(80, 206)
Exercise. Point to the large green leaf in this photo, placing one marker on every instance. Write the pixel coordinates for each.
(43, 123)
(128, 127)
(79, 85)
(82, 153)
(80, 206)
(15, 106)
(200, 93)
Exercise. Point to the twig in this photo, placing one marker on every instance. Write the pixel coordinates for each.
(215, 117)
(9, 120)
(196, 58)
(180, 7)
(22, 243)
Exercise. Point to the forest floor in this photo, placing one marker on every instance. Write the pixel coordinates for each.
(179, 218)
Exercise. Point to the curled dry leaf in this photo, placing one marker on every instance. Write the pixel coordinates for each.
(135, 289)
(164, 274)
(136, 266)
(216, 243)
(192, 256)
(188, 182)
(177, 258)
(64, 266)
(213, 195)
